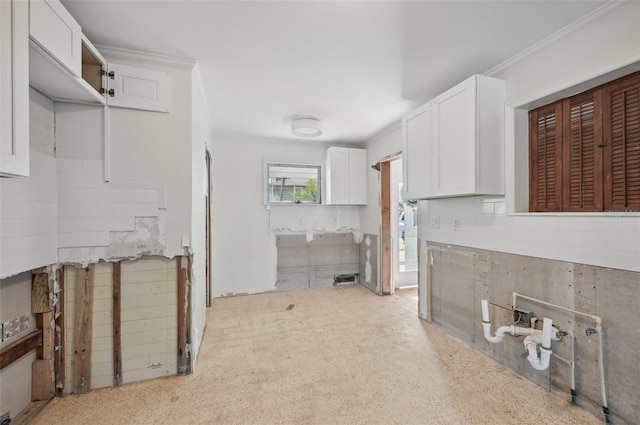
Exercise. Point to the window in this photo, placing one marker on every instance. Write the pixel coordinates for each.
(584, 151)
(293, 184)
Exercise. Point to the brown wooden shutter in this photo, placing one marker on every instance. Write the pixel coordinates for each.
(545, 153)
(582, 152)
(622, 139)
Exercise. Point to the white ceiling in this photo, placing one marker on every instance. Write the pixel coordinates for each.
(358, 66)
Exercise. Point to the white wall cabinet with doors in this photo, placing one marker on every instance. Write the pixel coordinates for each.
(416, 149)
(14, 88)
(346, 174)
(67, 67)
(454, 144)
(468, 139)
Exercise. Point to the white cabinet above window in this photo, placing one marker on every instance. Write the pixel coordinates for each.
(346, 172)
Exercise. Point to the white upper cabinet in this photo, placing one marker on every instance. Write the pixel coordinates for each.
(346, 174)
(137, 88)
(66, 66)
(467, 147)
(54, 30)
(14, 88)
(416, 158)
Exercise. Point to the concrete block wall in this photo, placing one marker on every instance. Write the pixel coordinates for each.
(148, 321)
(314, 264)
(461, 277)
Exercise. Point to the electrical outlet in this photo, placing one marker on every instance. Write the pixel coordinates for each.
(522, 317)
(435, 222)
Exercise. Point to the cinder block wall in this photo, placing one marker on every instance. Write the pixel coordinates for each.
(303, 264)
(460, 277)
(148, 321)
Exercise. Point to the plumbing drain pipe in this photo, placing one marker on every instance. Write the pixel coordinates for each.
(534, 337)
(544, 339)
(597, 330)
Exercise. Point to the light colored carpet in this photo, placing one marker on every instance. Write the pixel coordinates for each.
(339, 356)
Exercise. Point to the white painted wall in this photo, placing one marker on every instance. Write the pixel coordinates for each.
(605, 42)
(202, 136)
(152, 147)
(244, 229)
(29, 206)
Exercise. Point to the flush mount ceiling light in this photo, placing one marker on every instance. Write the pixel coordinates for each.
(306, 127)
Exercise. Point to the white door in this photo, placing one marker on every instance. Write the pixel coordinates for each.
(404, 232)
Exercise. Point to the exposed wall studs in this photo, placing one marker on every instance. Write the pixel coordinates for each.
(117, 343)
(83, 330)
(184, 315)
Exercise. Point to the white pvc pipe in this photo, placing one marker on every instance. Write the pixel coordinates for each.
(598, 322)
(485, 311)
(546, 332)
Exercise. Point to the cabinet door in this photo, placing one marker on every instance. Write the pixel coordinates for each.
(358, 176)
(454, 140)
(416, 153)
(138, 88)
(14, 88)
(57, 32)
(338, 176)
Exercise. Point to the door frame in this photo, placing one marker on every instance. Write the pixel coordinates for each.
(208, 239)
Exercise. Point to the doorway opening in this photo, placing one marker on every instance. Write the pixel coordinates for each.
(399, 231)
(405, 235)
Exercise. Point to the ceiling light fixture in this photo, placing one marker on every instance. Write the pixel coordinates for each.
(306, 127)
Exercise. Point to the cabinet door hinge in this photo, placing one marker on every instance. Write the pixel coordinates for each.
(109, 74)
(110, 92)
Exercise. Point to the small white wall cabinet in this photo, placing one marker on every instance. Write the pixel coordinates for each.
(67, 67)
(416, 158)
(14, 88)
(467, 146)
(346, 173)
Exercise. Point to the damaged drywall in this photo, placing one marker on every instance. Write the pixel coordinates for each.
(369, 262)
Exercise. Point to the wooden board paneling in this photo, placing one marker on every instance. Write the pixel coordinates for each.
(385, 240)
(45, 322)
(184, 315)
(83, 330)
(40, 293)
(13, 352)
(117, 340)
(58, 364)
(42, 380)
